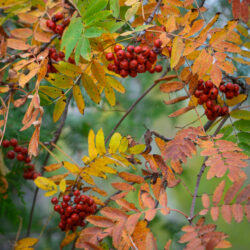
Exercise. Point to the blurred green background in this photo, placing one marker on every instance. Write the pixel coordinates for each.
(150, 113)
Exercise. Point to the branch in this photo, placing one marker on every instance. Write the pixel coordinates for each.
(131, 108)
(54, 140)
(150, 18)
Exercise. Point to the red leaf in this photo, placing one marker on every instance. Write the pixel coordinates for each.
(244, 11)
(218, 193)
(236, 8)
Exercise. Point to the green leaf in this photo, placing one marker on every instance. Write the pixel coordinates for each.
(240, 114)
(101, 15)
(93, 32)
(226, 131)
(245, 147)
(244, 137)
(111, 26)
(60, 81)
(71, 36)
(242, 125)
(85, 49)
(68, 69)
(93, 7)
(131, 11)
(51, 91)
(114, 6)
(59, 108)
(44, 99)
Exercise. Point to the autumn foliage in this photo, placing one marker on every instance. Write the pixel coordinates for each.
(55, 55)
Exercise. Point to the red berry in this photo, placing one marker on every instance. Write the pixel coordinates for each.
(117, 48)
(83, 198)
(200, 87)
(209, 104)
(59, 16)
(128, 55)
(236, 93)
(230, 86)
(158, 68)
(69, 221)
(77, 192)
(64, 204)
(27, 160)
(133, 64)
(57, 208)
(200, 101)
(11, 155)
(5, 143)
(75, 217)
(222, 88)
(66, 198)
(124, 73)
(59, 29)
(71, 60)
(61, 54)
(141, 59)
(157, 43)
(236, 87)
(50, 24)
(54, 200)
(213, 93)
(209, 84)
(35, 175)
(145, 51)
(110, 67)
(69, 209)
(140, 68)
(124, 64)
(54, 56)
(138, 49)
(200, 81)
(169, 50)
(197, 93)
(152, 70)
(217, 109)
(204, 98)
(13, 142)
(133, 73)
(66, 21)
(224, 110)
(20, 157)
(148, 65)
(120, 54)
(30, 174)
(110, 56)
(31, 167)
(25, 175)
(131, 48)
(82, 214)
(24, 151)
(229, 94)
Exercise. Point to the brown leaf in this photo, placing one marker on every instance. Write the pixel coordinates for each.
(188, 229)
(218, 193)
(100, 221)
(122, 186)
(131, 177)
(34, 142)
(175, 100)
(244, 10)
(181, 111)
(156, 187)
(17, 44)
(232, 191)
(226, 213)
(171, 87)
(205, 200)
(237, 211)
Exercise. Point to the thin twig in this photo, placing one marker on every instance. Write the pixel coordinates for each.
(55, 139)
(161, 136)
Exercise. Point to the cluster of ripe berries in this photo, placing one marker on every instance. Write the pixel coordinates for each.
(207, 93)
(55, 56)
(134, 60)
(73, 210)
(58, 28)
(21, 154)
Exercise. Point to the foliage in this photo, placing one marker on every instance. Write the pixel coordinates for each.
(54, 58)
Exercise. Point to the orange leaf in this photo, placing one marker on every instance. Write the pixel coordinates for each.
(131, 177)
(127, 205)
(17, 44)
(100, 221)
(181, 111)
(34, 142)
(237, 211)
(232, 191)
(244, 11)
(122, 186)
(205, 201)
(147, 200)
(140, 234)
(167, 246)
(236, 8)
(150, 242)
(113, 213)
(68, 239)
(177, 50)
(131, 222)
(53, 167)
(226, 213)
(218, 193)
(171, 87)
(215, 213)
(216, 75)
(21, 33)
(150, 214)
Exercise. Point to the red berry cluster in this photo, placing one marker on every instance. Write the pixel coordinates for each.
(58, 28)
(55, 56)
(21, 154)
(207, 93)
(73, 210)
(134, 60)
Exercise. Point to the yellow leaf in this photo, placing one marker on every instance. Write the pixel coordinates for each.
(242, 30)
(45, 184)
(100, 143)
(98, 72)
(238, 99)
(137, 149)
(91, 88)
(51, 91)
(60, 81)
(68, 239)
(110, 95)
(59, 108)
(131, 11)
(210, 24)
(87, 178)
(177, 51)
(241, 60)
(123, 145)
(71, 167)
(114, 143)
(52, 167)
(62, 185)
(115, 84)
(78, 98)
(4, 89)
(91, 144)
(25, 243)
(68, 69)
